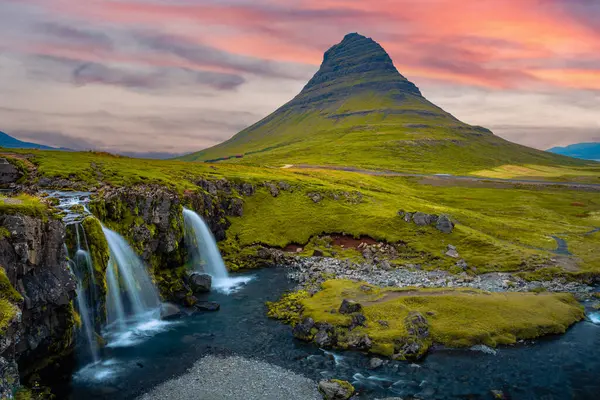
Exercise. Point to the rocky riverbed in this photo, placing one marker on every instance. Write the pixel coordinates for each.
(309, 272)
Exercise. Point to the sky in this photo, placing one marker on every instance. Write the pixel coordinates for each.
(164, 77)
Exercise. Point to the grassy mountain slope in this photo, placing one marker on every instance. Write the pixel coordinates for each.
(10, 142)
(358, 110)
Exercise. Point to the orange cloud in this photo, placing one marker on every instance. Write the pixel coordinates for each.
(488, 43)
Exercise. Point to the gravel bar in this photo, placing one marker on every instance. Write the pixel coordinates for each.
(227, 378)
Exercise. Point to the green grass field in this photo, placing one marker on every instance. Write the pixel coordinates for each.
(505, 228)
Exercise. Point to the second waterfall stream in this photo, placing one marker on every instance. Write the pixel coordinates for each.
(205, 254)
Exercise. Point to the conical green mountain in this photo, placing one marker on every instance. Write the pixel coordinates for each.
(359, 111)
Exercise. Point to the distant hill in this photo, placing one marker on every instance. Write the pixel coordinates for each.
(10, 142)
(358, 110)
(586, 151)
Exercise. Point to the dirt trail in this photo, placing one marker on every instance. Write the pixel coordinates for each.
(452, 178)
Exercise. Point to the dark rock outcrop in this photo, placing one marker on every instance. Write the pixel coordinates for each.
(34, 258)
(349, 307)
(359, 341)
(200, 283)
(207, 306)
(358, 319)
(444, 224)
(303, 330)
(413, 346)
(325, 336)
(9, 174)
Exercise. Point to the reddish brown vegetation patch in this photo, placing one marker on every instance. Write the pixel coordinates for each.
(349, 242)
(292, 248)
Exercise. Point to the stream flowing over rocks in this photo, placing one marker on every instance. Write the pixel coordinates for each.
(312, 271)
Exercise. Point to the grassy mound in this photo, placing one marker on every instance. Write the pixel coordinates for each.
(455, 317)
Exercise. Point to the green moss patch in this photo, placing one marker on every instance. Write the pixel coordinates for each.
(455, 317)
(23, 204)
(8, 299)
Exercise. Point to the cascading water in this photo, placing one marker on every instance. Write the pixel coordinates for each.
(81, 266)
(205, 253)
(132, 297)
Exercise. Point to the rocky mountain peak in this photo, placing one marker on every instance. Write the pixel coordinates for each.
(359, 60)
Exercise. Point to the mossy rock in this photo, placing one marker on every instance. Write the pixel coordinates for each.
(336, 389)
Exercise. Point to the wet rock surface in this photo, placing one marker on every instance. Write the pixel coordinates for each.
(200, 283)
(35, 262)
(170, 311)
(207, 306)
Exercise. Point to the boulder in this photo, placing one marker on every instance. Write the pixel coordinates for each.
(324, 338)
(303, 329)
(8, 172)
(375, 363)
(247, 189)
(169, 311)
(452, 252)
(358, 319)
(207, 306)
(422, 219)
(444, 224)
(359, 342)
(272, 188)
(349, 307)
(284, 186)
(334, 389)
(462, 264)
(200, 283)
(190, 301)
(315, 197)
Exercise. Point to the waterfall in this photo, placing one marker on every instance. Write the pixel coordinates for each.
(205, 253)
(82, 267)
(131, 293)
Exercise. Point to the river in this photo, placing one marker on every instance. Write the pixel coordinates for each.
(561, 367)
